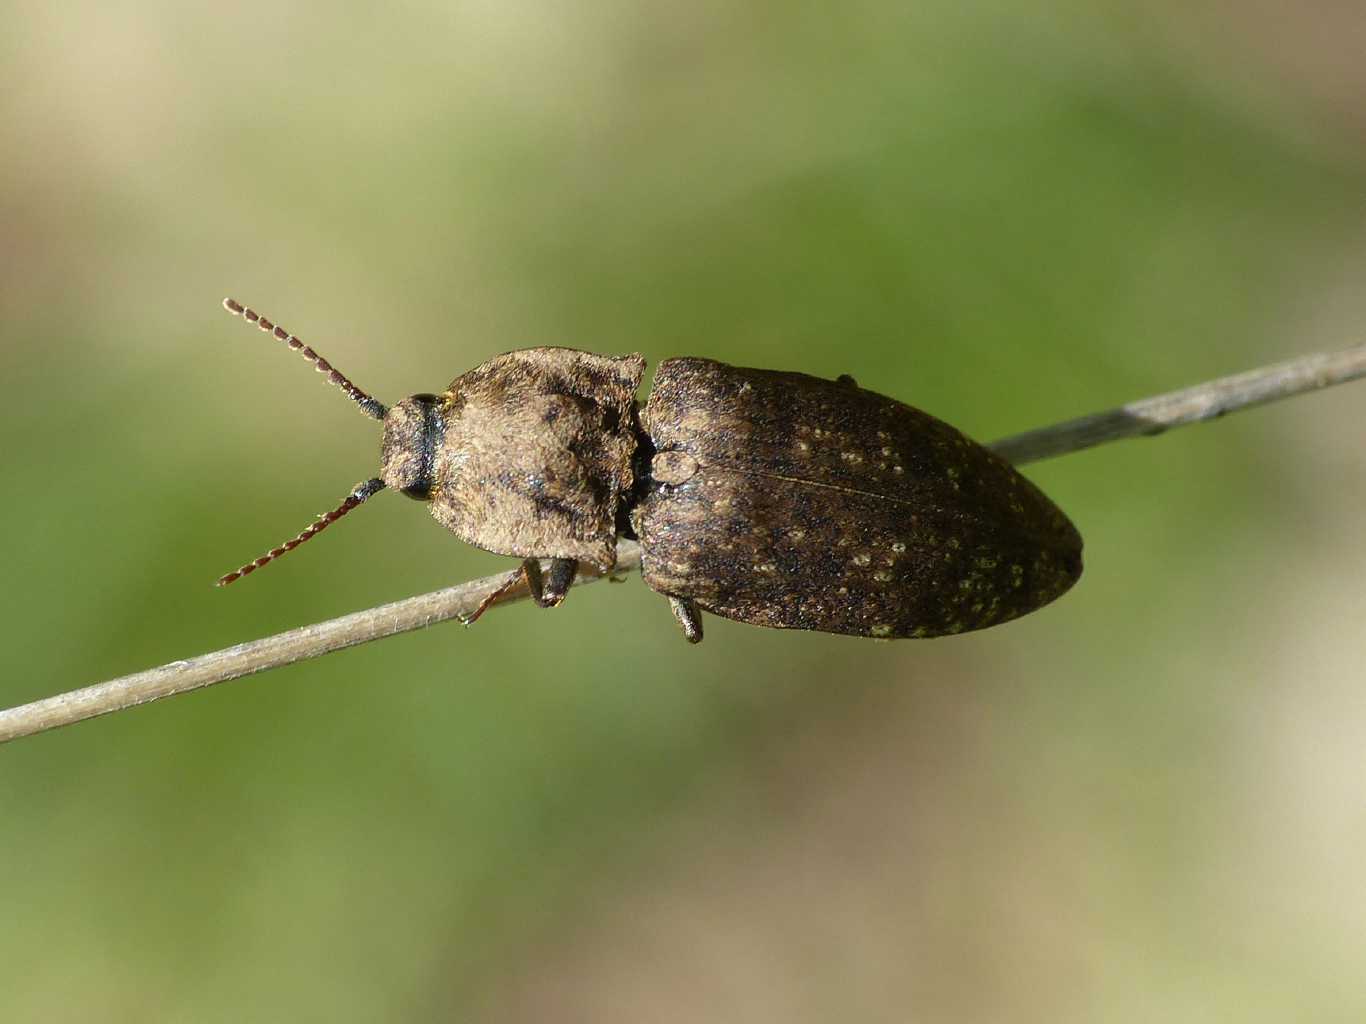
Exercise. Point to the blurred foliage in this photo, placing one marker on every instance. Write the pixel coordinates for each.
(1008, 216)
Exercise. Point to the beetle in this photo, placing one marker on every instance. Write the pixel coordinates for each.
(768, 497)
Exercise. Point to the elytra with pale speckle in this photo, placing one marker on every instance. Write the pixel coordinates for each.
(820, 505)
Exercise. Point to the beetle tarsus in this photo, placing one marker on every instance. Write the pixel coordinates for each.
(689, 617)
(510, 584)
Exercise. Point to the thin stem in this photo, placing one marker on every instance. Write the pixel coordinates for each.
(1207, 401)
(1146, 417)
(254, 656)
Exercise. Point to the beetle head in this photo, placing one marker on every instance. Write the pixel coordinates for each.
(413, 430)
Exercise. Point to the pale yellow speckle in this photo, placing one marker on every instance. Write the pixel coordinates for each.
(899, 547)
(882, 576)
(881, 629)
(888, 451)
(796, 534)
(765, 567)
(883, 435)
(802, 446)
(920, 631)
(862, 558)
(956, 627)
(853, 457)
(897, 470)
(954, 542)
(842, 591)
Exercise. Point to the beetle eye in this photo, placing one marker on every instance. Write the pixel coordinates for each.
(421, 491)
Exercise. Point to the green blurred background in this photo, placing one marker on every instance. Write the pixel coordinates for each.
(1148, 801)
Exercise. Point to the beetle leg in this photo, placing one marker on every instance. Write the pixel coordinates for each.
(562, 572)
(546, 593)
(502, 590)
(689, 616)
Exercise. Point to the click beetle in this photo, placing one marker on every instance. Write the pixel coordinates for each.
(773, 498)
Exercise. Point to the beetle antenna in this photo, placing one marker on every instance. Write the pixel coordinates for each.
(369, 405)
(358, 495)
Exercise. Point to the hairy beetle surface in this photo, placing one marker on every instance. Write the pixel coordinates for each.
(773, 498)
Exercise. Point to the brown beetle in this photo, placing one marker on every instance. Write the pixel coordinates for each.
(772, 498)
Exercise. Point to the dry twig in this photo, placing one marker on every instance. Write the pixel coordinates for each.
(1145, 417)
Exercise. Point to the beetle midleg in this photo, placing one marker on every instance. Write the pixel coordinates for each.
(689, 616)
(561, 577)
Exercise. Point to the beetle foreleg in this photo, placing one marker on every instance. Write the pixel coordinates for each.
(689, 616)
(545, 592)
(511, 583)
